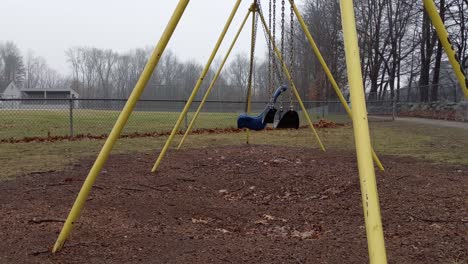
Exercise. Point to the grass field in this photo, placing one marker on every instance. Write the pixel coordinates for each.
(436, 144)
(41, 123)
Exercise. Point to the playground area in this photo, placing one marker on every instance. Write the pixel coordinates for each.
(278, 180)
(219, 200)
(236, 204)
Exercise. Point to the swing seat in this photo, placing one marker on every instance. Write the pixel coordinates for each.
(270, 116)
(290, 119)
(251, 122)
(257, 122)
(267, 116)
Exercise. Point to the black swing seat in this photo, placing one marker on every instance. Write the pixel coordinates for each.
(290, 119)
(270, 116)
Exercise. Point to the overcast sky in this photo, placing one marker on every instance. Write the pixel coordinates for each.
(49, 27)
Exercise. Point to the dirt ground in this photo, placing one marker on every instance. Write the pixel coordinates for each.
(257, 204)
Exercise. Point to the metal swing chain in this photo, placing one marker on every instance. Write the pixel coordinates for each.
(276, 74)
(291, 55)
(252, 55)
(254, 41)
(270, 72)
(274, 38)
(283, 3)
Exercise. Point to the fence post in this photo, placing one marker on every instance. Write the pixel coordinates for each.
(323, 109)
(71, 102)
(186, 119)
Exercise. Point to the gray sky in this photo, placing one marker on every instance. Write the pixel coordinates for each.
(49, 27)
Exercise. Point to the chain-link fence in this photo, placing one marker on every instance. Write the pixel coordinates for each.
(442, 101)
(20, 118)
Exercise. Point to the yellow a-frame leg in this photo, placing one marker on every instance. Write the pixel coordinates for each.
(431, 9)
(293, 86)
(213, 82)
(253, 9)
(332, 80)
(197, 87)
(119, 125)
(370, 197)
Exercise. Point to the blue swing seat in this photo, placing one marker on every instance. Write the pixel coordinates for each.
(251, 122)
(259, 122)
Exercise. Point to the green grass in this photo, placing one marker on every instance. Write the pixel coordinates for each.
(41, 123)
(439, 145)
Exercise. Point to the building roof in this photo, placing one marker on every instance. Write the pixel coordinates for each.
(47, 90)
(2, 89)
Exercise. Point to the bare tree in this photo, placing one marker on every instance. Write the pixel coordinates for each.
(35, 70)
(428, 40)
(105, 61)
(322, 18)
(456, 13)
(238, 71)
(400, 14)
(39, 75)
(121, 76)
(189, 76)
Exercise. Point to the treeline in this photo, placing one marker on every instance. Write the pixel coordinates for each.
(29, 72)
(399, 46)
(108, 74)
(399, 51)
(104, 73)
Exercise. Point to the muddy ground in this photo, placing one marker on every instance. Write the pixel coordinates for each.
(257, 204)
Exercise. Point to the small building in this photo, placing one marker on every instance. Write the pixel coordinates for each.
(48, 98)
(48, 93)
(37, 97)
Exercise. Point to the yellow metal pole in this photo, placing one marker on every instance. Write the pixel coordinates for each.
(431, 9)
(197, 87)
(252, 58)
(370, 197)
(213, 82)
(119, 125)
(293, 86)
(332, 80)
